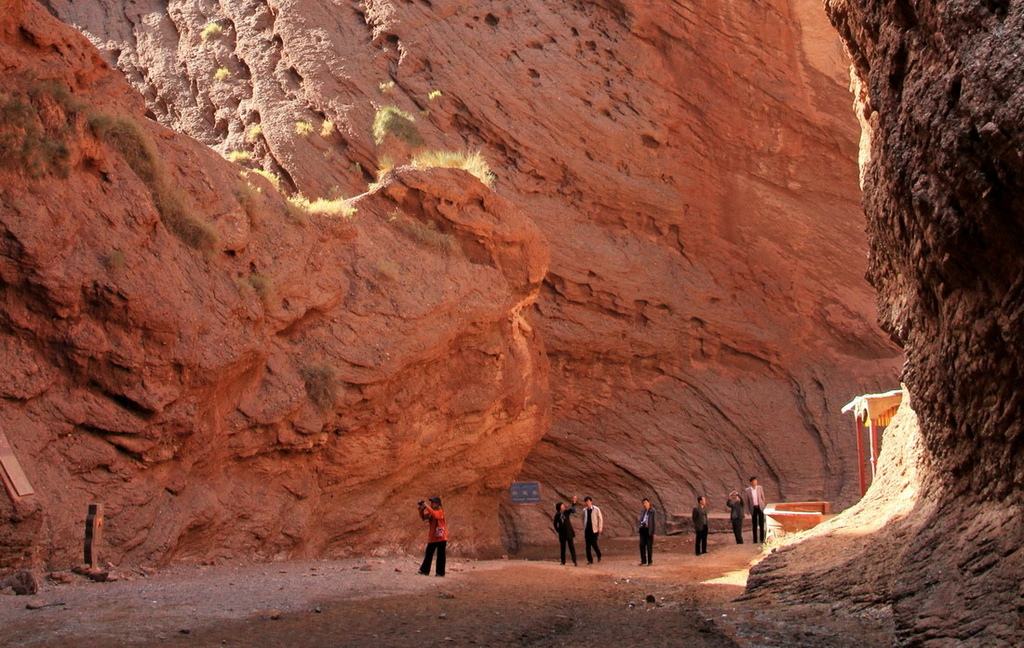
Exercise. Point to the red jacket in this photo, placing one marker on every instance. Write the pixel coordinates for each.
(438, 529)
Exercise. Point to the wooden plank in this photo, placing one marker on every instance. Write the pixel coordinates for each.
(14, 478)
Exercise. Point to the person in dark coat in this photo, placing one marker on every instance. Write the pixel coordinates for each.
(647, 524)
(735, 504)
(700, 526)
(563, 527)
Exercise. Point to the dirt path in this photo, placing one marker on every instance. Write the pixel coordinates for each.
(528, 601)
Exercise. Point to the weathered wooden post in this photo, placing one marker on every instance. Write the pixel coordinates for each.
(93, 535)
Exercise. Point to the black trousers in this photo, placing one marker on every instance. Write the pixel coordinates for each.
(431, 548)
(757, 523)
(646, 546)
(591, 539)
(700, 541)
(737, 529)
(572, 548)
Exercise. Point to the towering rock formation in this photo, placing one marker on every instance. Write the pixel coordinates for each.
(941, 94)
(692, 167)
(230, 375)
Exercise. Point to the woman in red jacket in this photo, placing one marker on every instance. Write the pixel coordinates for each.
(437, 537)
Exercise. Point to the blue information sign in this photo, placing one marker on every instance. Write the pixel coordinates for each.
(525, 492)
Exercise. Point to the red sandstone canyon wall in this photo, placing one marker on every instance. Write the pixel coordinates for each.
(232, 376)
(703, 316)
(941, 94)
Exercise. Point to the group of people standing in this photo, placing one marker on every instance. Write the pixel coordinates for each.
(751, 499)
(593, 524)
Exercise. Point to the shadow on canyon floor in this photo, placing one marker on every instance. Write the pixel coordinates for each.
(527, 601)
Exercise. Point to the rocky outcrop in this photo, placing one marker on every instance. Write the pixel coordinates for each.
(941, 94)
(693, 170)
(231, 375)
(847, 561)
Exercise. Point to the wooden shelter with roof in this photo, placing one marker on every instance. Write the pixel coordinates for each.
(873, 413)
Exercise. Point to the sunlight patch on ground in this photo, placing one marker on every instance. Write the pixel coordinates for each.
(737, 578)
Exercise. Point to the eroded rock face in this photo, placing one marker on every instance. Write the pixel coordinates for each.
(693, 169)
(249, 381)
(942, 97)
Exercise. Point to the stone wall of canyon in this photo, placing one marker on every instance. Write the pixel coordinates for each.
(280, 386)
(692, 168)
(941, 93)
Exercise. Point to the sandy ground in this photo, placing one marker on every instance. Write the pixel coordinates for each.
(528, 600)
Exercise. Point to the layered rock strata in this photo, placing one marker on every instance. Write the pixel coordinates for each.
(691, 165)
(233, 376)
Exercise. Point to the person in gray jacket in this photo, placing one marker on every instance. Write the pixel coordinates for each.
(753, 499)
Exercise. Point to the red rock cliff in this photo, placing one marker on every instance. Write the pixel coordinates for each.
(233, 376)
(691, 165)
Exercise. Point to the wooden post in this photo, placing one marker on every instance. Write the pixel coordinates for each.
(859, 430)
(873, 446)
(93, 535)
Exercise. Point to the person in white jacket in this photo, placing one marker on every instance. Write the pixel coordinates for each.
(753, 500)
(593, 524)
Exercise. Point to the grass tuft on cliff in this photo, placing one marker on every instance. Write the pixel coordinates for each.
(427, 234)
(321, 385)
(210, 32)
(35, 126)
(338, 207)
(391, 121)
(172, 203)
(473, 162)
(260, 284)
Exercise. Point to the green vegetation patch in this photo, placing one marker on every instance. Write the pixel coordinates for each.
(36, 126)
(391, 121)
(172, 203)
(321, 385)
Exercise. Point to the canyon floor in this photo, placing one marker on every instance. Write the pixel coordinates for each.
(527, 600)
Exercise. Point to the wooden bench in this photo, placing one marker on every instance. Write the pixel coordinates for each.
(790, 517)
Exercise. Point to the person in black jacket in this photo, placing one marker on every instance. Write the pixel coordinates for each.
(735, 504)
(563, 527)
(700, 526)
(647, 523)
